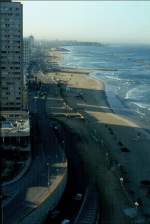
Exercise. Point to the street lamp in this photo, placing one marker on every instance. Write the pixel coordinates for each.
(121, 180)
(48, 176)
(136, 204)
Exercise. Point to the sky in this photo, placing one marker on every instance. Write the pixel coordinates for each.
(101, 21)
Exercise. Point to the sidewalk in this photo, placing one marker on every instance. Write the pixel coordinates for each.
(42, 199)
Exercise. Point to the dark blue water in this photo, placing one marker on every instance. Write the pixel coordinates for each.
(125, 69)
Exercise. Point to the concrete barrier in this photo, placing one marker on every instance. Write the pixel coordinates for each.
(38, 215)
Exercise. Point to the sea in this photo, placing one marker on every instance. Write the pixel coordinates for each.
(125, 70)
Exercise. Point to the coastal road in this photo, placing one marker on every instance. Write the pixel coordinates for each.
(69, 207)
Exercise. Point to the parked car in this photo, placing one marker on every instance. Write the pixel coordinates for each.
(77, 197)
(54, 213)
(65, 221)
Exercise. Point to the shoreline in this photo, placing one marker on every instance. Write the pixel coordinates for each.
(131, 116)
(86, 72)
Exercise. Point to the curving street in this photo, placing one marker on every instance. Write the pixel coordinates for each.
(27, 193)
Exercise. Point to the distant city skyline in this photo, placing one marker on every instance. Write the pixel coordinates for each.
(101, 21)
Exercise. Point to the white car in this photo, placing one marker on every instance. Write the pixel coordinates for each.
(55, 213)
(77, 197)
(65, 221)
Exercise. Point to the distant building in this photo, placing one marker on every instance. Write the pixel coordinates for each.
(26, 51)
(28, 43)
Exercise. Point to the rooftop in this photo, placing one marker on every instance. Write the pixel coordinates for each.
(15, 127)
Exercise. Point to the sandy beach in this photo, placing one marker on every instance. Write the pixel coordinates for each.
(114, 150)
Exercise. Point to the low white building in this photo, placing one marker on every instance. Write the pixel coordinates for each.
(15, 131)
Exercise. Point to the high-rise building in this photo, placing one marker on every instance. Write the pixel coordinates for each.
(11, 54)
(14, 117)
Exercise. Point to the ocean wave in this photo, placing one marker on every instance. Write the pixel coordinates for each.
(142, 105)
(113, 78)
(139, 93)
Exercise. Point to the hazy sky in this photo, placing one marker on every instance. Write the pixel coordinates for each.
(103, 21)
